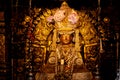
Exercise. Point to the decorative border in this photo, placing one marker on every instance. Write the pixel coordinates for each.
(2, 48)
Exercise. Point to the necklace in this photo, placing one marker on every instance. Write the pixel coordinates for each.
(66, 51)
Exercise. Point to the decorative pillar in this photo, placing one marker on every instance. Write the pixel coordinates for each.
(30, 75)
(54, 47)
(77, 47)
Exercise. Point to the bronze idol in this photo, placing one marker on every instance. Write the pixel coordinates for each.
(66, 37)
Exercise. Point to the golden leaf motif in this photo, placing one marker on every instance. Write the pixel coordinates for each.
(27, 18)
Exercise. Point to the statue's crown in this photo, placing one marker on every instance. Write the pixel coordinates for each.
(64, 4)
(66, 19)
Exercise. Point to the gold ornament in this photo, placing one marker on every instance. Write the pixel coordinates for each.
(106, 20)
(27, 18)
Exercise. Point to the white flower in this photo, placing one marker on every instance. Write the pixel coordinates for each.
(50, 19)
(59, 15)
(73, 17)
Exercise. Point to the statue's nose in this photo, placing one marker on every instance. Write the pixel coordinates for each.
(66, 38)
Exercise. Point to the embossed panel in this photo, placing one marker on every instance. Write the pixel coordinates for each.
(2, 57)
(2, 48)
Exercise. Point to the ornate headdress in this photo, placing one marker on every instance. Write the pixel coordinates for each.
(66, 19)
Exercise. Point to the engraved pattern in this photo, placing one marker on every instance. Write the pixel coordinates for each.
(2, 48)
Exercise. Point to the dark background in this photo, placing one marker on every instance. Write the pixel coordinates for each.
(109, 8)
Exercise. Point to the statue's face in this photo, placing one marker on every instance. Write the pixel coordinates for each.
(65, 39)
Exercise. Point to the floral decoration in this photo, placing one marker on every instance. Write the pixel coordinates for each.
(73, 17)
(59, 15)
(50, 18)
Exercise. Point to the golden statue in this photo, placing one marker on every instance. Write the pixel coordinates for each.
(65, 52)
(63, 32)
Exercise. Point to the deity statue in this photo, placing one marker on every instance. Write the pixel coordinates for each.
(66, 53)
(64, 33)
